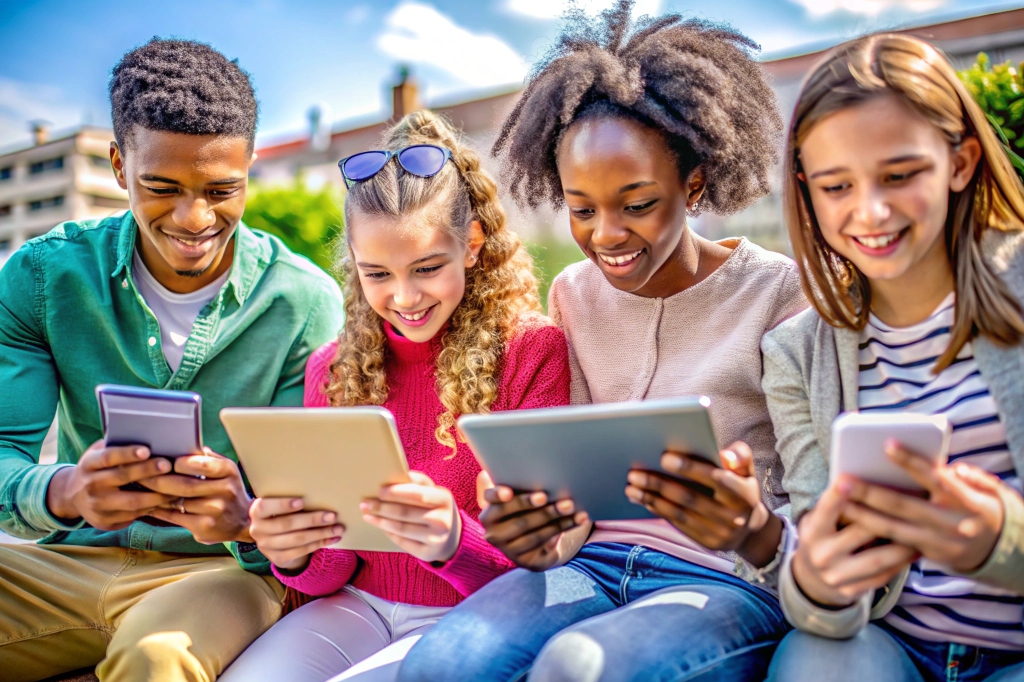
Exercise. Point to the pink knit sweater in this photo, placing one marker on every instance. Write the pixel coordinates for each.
(534, 373)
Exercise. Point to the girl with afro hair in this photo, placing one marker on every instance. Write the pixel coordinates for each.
(634, 127)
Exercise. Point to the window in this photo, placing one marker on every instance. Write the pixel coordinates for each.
(100, 161)
(5, 210)
(49, 202)
(6, 173)
(107, 202)
(46, 165)
(5, 245)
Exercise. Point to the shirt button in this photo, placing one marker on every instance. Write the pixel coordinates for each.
(124, 284)
(152, 340)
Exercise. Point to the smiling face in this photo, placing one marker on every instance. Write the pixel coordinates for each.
(412, 271)
(187, 193)
(627, 204)
(879, 176)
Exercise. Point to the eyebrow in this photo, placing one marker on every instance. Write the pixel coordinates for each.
(169, 181)
(887, 162)
(415, 262)
(622, 190)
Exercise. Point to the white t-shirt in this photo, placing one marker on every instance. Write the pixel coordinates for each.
(896, 376)
(175, 313)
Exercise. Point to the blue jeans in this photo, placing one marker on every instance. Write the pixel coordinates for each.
(615, 612)
(883, 654)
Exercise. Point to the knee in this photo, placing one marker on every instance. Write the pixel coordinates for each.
(572, 656)
(803, 657)
(159, 656)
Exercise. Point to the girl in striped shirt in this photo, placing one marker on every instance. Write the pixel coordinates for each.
(905, 216)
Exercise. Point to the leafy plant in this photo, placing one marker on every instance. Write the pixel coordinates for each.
(305, 219)
(999, 90)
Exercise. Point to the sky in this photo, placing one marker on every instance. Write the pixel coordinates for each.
(56, 55)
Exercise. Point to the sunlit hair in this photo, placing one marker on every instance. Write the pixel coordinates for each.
(922, 78)
(500, 287)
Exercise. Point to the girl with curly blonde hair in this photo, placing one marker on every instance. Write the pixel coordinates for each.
(442, 320)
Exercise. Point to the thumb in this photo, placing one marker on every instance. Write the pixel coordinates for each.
(823, 519)
(420, 478)
(483, 483)
(738, 459)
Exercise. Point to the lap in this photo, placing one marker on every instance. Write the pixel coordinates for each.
(703, 630)
(497, 632)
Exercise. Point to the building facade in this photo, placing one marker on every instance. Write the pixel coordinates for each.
(67, 178)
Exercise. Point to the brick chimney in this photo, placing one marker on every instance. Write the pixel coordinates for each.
(405, 97)
(41, 131)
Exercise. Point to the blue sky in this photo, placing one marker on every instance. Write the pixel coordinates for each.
(56, 55)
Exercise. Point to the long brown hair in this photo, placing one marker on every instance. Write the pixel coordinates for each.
(500, 288)
(922, 78)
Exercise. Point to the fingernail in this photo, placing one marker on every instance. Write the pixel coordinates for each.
(672, 461)
(142, 453)
(163, 465)
(538, 499)
(295, 504)
(368, 518)
(633, 494)
(338, 530)
(845, 486)
(330, 517)
(739, 521)
(581, 517)
(564, 506)
(635, 478)
(364, 506)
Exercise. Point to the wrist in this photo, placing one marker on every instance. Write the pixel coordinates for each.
(821, 601)
(454, 539)
(58, 503)
(294, 567)
(760, 546)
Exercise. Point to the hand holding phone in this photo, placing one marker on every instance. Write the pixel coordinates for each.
(859, 439)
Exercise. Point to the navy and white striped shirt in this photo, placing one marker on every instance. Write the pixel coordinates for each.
(896, 375)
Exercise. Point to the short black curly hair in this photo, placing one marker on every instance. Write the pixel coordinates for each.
(181, 86)
(694, 81)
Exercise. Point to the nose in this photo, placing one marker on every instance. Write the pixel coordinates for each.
(194, 214)
(609, 232)
(871, 208)
(406, 295)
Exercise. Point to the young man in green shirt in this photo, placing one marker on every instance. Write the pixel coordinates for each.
(176, 294)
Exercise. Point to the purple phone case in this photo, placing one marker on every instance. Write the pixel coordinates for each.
(167, 422)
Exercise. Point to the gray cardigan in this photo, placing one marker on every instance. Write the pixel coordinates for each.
(810, 377)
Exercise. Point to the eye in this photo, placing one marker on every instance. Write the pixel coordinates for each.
(836, 188)
(162, 190)
(638, 208)
(376, 276)
(901, 177)
(224, 192)
(582, 212)
(427, 269)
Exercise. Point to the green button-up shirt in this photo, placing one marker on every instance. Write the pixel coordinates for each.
(71, 318)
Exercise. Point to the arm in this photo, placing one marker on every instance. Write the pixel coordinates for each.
(328, 571)
(28, 402)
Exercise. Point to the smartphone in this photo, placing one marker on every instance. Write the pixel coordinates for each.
(167, 422)
(858, 445)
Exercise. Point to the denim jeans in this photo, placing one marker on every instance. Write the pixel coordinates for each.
(883, 654)
(615, 612)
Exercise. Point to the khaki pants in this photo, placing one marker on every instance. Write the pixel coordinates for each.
(139, 615)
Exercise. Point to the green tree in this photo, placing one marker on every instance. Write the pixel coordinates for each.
(307, 220)
(999, 90)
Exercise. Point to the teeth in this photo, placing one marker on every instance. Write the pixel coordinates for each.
(191, 242)
(619, 260)
(878, 242)
(414, 317)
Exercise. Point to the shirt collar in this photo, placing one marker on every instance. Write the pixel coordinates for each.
(251, 256)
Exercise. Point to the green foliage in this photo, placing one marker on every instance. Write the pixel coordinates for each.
(306, 220)
(999, 90)
(550, 257)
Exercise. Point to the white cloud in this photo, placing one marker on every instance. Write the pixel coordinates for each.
(871, 8)
(21, 103)
(553, 9)
(418, 33)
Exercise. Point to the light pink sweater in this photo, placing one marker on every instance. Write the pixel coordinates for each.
(534, 373)
(705, 340)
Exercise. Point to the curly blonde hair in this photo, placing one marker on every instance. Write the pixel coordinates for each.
(500, 287)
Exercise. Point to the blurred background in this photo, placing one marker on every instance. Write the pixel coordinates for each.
(330, 75)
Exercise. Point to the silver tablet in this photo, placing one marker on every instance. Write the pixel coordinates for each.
(585, 451)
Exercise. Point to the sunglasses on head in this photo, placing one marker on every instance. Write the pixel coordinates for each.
(424, 160)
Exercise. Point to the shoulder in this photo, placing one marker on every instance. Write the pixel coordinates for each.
(763, 264)
(75, 243)
(318, 370)
(577, 280)
(300, 272)
(796, 336)
(535, 336)
(1004, 251)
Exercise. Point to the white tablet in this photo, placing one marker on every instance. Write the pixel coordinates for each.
(332, 457)
(858, 445)
(586, 451)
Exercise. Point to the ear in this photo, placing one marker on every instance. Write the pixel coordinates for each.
(475, 243)
(252, 160)
(802, 177)
(966, 157)
(694, 187)
(117, 163)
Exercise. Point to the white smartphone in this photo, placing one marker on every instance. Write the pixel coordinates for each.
(858, 445)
